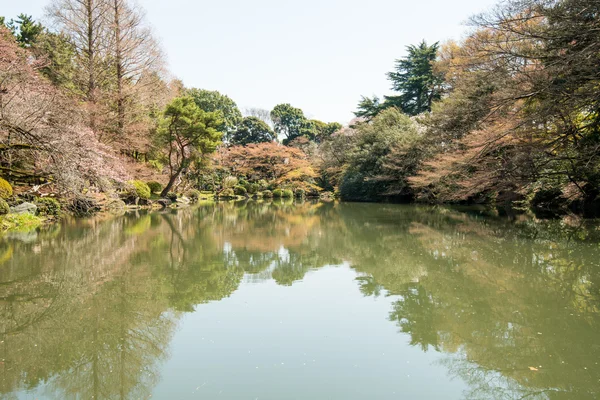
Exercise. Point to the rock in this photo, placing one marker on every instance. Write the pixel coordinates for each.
(24, 208)
(164, 203)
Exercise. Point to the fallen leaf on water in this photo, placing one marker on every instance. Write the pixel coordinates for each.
(533, 369)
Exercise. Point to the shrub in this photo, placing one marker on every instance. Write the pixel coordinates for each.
(229, 182)
(287, 194)
(193, 195)
(253, 188)
(6, 190)
(240, 190)
(243, 182)
(172, 196)
(227, 194)
(267, 194)
(300, 193)
(139, 189)
(47, 206)
(4, 207)
(263, 185)
(277, 193)
(155, 187)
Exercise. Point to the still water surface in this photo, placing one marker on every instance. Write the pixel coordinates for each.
(305, 301)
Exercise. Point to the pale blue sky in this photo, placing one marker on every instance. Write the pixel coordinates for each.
(319, 55)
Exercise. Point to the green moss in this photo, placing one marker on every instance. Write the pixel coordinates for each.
(6, 190)
(4, 207)
(47, 206)
(20, 222)
(140, 189)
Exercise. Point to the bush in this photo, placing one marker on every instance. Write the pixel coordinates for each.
(172, 196)
(243, 182)
(277, 193)
(267, 194)
(139, 189)
(227, 194)
(4, 207)
(155, 187)
(47, 206)
(287, 194)
(240, 190)
(193, 195)
(253, 188)
(6, 190)
(229, 182)
(263, 185)
(300, 193)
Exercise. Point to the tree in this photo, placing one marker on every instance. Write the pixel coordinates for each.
(368, 107)
(213, 101)
(289, 121)
(188, 132)
(260, 113)
(268, 161)
(25, 29)
(134, 52)
(416, 80)
(252, 130)
(85, 23)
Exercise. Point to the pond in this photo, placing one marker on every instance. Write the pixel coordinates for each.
(302, 301)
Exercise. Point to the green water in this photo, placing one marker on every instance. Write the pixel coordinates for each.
(306, 301)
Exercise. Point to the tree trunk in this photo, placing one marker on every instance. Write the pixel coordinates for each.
(172, 180)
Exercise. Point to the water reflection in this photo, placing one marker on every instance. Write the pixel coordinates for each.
(88, 309)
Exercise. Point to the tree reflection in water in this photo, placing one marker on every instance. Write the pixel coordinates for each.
(88, 309)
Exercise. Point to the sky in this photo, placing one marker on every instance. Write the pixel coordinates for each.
(318, 55)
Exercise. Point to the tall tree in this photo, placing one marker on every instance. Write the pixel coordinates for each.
(416, 80)
(85, 23)
(213, 101)
(252, 130)
(187, 132)
(133, 50)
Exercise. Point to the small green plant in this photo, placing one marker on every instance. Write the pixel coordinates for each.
(300, 193)
(6, 190)
(287, 194)
(239, 190)
(193, 195)
(47, 206)
(157, 165)
(267, 194)
(155, 187)
(4, 207)
(252, 188)
(277, 193)
(139, 189)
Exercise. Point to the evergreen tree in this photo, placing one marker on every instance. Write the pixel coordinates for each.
(415, 79)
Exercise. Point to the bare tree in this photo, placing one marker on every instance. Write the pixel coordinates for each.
(260, 113)
(137, 58)
(84, 22)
